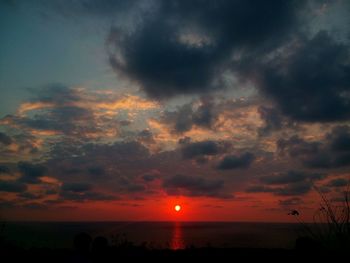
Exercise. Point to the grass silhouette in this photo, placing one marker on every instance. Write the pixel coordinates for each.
(331, 222)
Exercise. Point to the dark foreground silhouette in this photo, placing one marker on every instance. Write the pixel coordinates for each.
(98, 249)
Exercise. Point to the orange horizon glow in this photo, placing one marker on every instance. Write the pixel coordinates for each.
(196, 210)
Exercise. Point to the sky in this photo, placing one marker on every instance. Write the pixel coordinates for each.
(120, 110)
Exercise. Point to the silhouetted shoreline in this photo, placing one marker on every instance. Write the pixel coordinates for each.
(86, 249)
(159, 235)
(16, 254)
(111, 244)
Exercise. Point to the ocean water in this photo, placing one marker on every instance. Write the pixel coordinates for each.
(174, 235)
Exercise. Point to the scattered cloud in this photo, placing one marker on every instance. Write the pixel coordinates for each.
(203, 114)
(290, 177)
(12, 186)
(291, 183)
(4, 169)
(203, 148)
(338, 182)
(195, 186)
(31, 172)
(5, 139)
(236, 161)
(332, 152)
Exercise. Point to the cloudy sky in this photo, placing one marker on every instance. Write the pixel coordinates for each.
(118, 110)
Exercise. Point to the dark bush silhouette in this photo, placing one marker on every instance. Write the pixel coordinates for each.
(82, 243)
(307, 244)
(100, 249)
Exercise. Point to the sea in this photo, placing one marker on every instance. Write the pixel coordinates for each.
(157, 235)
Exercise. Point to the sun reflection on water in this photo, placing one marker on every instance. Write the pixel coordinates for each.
(177, 241)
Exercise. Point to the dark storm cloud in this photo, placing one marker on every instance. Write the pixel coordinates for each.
(194, 186)
(4, 169)
(166, 62)
(162, 66)
(327, 161)
(286, 184)
(119, 150)
(30, 173)
(76, 187)
(185, 48)
(340, 139)
(5, 139)
(83, 192)
(12, 186)
(298, 188)
(236, 161)
(331, 152)
(312, 83)
(290, 177)
(203, 148)
(296, 146)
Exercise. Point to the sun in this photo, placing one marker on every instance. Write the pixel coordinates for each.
(177, 208)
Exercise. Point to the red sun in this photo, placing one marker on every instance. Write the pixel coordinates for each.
(177, 208)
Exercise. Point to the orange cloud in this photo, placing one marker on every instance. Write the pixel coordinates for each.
(29, 106)
(44, 132)
(128, 102)
(49, 180)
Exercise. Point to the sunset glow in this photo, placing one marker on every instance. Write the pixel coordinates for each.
(160, 111)
(177, 130)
